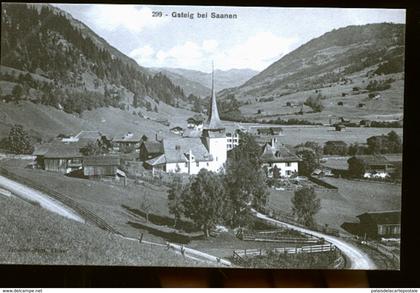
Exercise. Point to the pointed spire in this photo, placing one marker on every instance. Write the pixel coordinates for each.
(214, 120)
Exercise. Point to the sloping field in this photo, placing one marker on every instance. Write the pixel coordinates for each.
(103, 199)
(48, 122)
(32, 235)
(352, 198)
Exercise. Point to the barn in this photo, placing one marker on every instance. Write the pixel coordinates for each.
(98, 166)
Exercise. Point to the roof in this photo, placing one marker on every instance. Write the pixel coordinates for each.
(337, 163)
(394, 158)
(101, 161)
(382, 217)
(153, 147)
(214, 133)
(373, 159)
(192, 133)
(176, 150)
(278, 153)
(336, 142)
(58, 151)
(93, 135)
(157, 161)
(213, 121)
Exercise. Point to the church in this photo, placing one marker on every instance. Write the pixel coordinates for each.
(191, 154)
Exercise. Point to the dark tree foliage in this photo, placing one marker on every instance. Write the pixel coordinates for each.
(203, 200)
(18, 141)
(306, 205)
(176, 208)
(357, 167)
(244, 181)
(315, 103)
(310, 161)
(383, 144)
(335, 148)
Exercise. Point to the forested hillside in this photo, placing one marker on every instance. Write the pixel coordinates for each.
(50, 58)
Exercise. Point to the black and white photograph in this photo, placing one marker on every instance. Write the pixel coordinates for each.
(201, 136)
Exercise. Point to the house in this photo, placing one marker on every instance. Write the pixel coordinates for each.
(375, 166)
(127, 143)
(86, 136)
(196, 122)
(150, 150)
(97, 166)
(365, 123)
(376, 225)
(335, 166)
(163, 121)
(275, 155)
(191, 154)
(177, 130)
(60, 158)
(340, 127)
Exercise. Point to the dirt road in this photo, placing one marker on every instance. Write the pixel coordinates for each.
(358, 259)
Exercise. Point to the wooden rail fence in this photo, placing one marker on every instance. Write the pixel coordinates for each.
(285, 250)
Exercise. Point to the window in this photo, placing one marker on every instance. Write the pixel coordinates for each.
(207, 164)
(197, 164)
(288, 172)
(288, 164)
(186, 164)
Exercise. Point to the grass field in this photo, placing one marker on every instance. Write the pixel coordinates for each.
(103, 199)
(351, 199)
(48, 122)
(32, 235)
(389, 106)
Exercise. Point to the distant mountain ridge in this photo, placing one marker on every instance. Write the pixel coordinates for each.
(329, 58)
(223, 78)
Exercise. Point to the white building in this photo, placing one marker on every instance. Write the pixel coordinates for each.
(232, 138)
(278, 155)
(191, 154)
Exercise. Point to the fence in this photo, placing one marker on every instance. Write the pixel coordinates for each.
(273, 236)
(285, 250)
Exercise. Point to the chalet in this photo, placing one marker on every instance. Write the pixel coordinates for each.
(60, 158)
(335, 166)
(98, 166)
(376, 225)
(340, 127)
(275, 155)
(85, 136)
(177, 130)
(376, 166)
(127, 143)
(196, 122)
(150, 150)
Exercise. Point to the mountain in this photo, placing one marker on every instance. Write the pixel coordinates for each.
(222, 79)
(49, 57)
(188, 86)
(330, 58)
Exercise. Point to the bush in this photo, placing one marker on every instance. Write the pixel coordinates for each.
(315, 103)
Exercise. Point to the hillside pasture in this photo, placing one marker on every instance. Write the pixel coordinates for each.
(33, 235)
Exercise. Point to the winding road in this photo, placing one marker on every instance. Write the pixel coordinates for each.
(358, 259)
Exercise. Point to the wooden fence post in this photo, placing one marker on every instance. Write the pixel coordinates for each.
(141, 238)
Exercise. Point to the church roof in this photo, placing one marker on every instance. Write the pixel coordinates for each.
(213, 121)
(176, 150)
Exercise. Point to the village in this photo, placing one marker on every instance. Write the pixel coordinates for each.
(147, 167)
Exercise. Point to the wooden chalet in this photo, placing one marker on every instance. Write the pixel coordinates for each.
(60, 158)
(97, 166)
(376, 225)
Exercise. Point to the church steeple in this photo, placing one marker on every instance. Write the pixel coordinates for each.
(214, 120)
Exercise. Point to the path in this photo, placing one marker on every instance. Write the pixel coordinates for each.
(55, 206)
(42, 199)
(358, 259)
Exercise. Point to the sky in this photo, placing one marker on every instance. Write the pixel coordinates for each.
(255, 39)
